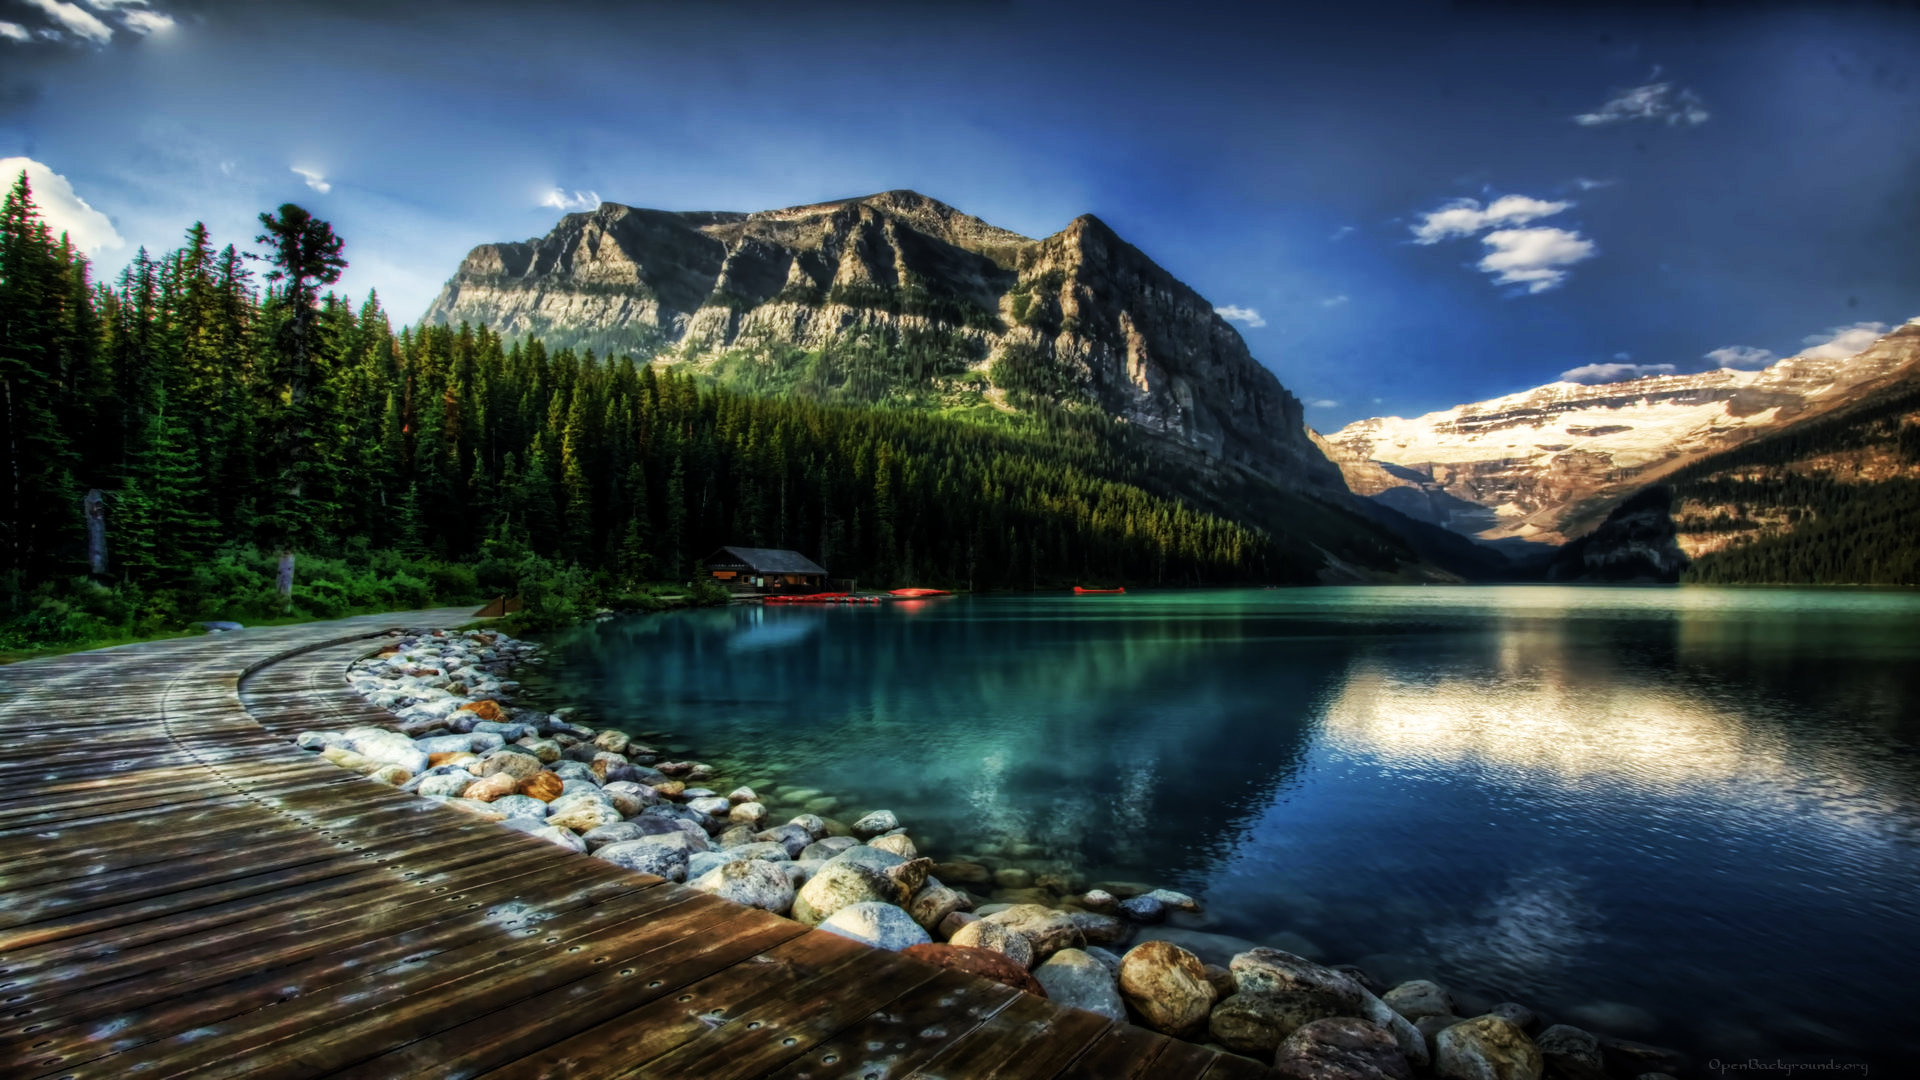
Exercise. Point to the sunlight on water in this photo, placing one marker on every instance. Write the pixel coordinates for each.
(1683, 815)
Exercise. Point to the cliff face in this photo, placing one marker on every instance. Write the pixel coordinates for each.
(1546, 463)
(995, 319)
(1635, 544)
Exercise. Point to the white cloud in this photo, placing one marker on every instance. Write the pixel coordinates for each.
(1606, 373)
(1843, 341)
(62, 209)
(147, 22)
(1334, 301)
(1464, 217)
(1246, 316)
(1589, 184)
(1740, 356)
(1533, 257)
(579, 200)
(75, 18)
(1342, 232)
(1323, 403)
(1657, 101)
(14, 32)
(315, 179)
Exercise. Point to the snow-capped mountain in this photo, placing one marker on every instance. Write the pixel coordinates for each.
(1543, 464)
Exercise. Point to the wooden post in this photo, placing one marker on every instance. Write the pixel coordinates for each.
(95, 508)
(284, 582)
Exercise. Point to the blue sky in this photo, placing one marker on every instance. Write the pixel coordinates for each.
(1610, 187)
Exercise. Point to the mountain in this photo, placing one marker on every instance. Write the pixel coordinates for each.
(897, 299)
(1547, 464)
(1636, 544)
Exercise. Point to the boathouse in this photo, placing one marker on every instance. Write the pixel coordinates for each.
(769, 569)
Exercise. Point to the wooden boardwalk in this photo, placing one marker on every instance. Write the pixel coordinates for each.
(185, 894)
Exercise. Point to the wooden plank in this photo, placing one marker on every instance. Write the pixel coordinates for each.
(1235, 1067)
(636, 1013)
(905, 1033)
(440, 988)
(1183, 1061)
(1125, 1052)
(789, 1028)
(1030, 1039)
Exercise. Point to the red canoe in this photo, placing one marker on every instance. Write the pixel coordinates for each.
(1083, 590)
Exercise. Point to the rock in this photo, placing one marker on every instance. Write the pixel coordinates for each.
(487, 710)
(668, 789)
(1300, 945)
(351, 760)
(390, 774)
(517, 765)
(446, 784)
(1176, 901)
(1519, 1015)
(839, 883)
(713, 804)
(1210, 948)
(882, 926)
(963, 873)
(898, 843)
(1167, 986)
(1340, 1048)
(1144, 909)
(481, 810)
(951, 925)
(489, 788)
(1109, 958)
(742, 794)
(543, 785)
(749, 813)
(752, 882)
(1486, 1048)
(647, 855)
(1264, 970)
(219, 626)
(1013, 877)
(1100, 929)
(546, 750)
(1352, 971)
(874, 824)
(574, 770)
(1099, 900)
(1222, 980)
(320, 740)
(981, 962)
(1047, 930)
(828, 848)
(633, 829)
(814, 824)
(933, 903)
(1570, 1053)
(438, 744)
(1419, 998)
(386, 747)
(909, 877)
(569, 840)
(995, 937)
(1078, 981)
(1256, 1023)
(520, 806)
(614, 742)
(584, 817)
(1125, 890)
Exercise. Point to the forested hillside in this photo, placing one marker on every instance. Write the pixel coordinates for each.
(1831, 502)
(238, 419)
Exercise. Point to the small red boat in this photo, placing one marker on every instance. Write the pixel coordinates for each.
(915, 594)
(1081, 590)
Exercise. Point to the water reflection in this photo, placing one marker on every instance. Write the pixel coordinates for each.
(1664, 797)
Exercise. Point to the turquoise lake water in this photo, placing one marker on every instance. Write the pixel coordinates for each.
(1691, 815)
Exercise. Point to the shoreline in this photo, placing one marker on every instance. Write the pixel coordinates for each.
(458, 738)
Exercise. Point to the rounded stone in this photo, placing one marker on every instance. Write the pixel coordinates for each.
(584, 817)
(874, 824)
(882, 926)
(752, 882)
(1076, 979)
(1341, 1048)
(1167, 986)
(542, 785)
(994, 937)
(837, 884)
(1418, 998)
(489, 788)
(1486, 1048)
(1258, 1023)
(647, 856)
(898, 843)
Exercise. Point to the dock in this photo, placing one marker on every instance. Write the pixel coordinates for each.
(184, 893)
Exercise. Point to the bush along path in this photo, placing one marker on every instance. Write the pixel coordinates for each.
(458, 738)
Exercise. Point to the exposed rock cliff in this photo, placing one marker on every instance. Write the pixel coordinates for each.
(1636, 543)
(991, 319)
(1546, 463)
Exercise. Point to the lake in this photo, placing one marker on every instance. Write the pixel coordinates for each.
(1685, 815)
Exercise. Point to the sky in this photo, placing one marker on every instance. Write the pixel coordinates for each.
(1401, 206)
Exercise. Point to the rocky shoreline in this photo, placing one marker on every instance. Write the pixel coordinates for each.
(458, 738)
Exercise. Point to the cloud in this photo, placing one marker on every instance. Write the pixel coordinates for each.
(1588, 184)
(1323, 403)
(75, 18)
(1843, 341)
(1464, 217)
(147, 22)
(1245, 316)
(1334, 301)
(1342, 232)
(579, 200)
(1533, 257)
(1740, 356)
(315, 180)
(1657, 101)
(62, 209)
(1606, 373)
(14, 32)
